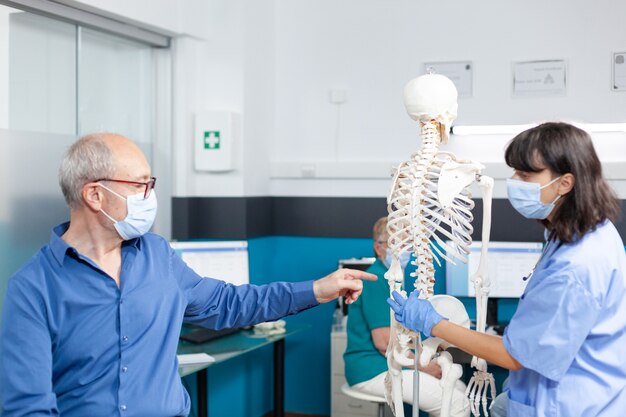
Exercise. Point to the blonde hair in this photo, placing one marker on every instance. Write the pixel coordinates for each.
(380, 228)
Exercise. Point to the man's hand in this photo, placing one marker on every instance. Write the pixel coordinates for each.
(343, 282)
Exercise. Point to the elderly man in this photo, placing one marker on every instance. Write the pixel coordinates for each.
(368, 336)
(91, 322)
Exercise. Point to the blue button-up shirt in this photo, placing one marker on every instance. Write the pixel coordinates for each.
(73, 343)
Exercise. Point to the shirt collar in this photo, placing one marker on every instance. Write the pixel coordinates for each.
(136, 242)
(59, 247)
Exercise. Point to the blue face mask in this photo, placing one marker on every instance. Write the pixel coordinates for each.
(525, 197)
(404, 259)
(140, 216)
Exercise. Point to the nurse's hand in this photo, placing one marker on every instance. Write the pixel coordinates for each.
(414, 313)
(343, 282)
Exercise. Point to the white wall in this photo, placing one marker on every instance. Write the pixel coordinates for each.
(259, 89)
(274, 62)
(372, 48)
(231, 71)
(208, 75)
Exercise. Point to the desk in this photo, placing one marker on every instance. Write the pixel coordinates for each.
(231, 346)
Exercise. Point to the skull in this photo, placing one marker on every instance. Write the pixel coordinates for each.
(432, 97)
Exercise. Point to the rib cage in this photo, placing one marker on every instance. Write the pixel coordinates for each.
(417, 222)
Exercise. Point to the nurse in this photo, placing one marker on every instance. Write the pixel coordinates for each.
(565, 345)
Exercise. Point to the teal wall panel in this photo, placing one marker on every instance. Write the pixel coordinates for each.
(243, 387)
(307, 354)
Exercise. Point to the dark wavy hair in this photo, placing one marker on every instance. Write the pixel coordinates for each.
(563, 149)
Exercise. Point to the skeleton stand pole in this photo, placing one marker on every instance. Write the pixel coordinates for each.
(416, 378)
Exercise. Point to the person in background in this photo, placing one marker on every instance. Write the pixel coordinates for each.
(91, 323)
(368, 332)
(564, 346)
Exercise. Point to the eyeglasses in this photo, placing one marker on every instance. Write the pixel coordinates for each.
(149, 185)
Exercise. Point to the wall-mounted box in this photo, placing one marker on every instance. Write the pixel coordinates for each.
(215, 137)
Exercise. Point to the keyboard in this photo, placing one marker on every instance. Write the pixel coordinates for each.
(205, 335)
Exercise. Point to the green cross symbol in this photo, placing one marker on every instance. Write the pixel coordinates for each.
(212, 139)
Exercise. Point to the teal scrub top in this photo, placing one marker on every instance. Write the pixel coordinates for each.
(362, 360)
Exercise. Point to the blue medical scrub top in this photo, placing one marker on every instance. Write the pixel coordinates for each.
(569, 331)
(73, 343)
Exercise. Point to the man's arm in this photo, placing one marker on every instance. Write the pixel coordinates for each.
(25, 355)
(216, 304)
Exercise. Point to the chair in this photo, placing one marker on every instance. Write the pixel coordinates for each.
(345, 388)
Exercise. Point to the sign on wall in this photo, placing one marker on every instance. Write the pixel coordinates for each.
(459, 72)
(539, 78)
(619, 71)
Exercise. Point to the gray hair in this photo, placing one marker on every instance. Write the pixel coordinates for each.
(88, 159)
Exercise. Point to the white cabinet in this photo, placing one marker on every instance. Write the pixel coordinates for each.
(341, 404)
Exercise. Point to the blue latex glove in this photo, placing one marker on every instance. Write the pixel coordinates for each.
(414, 313)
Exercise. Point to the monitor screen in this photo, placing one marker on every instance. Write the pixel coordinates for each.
(227, 261)
(508, 264)
(357, 263)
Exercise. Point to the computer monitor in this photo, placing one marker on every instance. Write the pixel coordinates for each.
(227, 260)
(508, 264)
(357, 263)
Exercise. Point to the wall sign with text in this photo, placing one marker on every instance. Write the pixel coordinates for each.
(539, 78)
(459, 72)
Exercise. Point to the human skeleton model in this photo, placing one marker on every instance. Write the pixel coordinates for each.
(430, 199)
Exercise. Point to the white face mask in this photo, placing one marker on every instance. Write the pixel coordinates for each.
(404, 259)
(140, 216)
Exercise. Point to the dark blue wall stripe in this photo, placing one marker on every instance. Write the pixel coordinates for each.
(248, 217)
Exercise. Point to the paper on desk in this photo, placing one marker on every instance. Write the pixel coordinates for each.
(270, 328)
(194, 359)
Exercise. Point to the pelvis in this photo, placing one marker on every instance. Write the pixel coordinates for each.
(452, 309)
